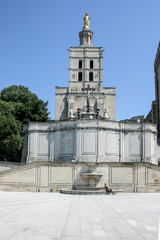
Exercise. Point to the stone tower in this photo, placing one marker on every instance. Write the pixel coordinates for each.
(154, 114)
(156, 110)
(85, 71)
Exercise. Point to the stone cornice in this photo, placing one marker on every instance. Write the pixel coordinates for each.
(157, 59)
(87, 124)
(85, 48)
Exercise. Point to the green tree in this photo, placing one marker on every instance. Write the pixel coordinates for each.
(10, 130)
(27, 106)
(18, 106)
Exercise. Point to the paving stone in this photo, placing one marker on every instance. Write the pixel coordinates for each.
(49, 216)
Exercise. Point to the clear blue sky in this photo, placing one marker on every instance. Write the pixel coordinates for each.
(35, 36)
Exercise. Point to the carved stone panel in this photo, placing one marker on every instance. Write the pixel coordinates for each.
(43, 144)
(153, 175)
(122, 175)
(89, 143)
(26, 176)
(66, 143)
(135, 144)
(112, 143)
(61, 175)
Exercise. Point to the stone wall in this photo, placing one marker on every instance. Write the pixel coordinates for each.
(9, 165)
(51, 177)
(90, 141)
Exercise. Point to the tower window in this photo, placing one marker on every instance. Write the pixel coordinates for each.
(80, 64)
(91, 76)
(80, 76)
(91, 64)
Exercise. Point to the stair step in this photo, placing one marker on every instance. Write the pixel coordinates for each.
(82, 192)
(87, 192)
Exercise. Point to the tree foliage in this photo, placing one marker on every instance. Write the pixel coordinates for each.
(18, 106)
(10, 130)
(27, 106)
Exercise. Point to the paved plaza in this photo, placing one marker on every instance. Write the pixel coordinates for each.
(46, 216)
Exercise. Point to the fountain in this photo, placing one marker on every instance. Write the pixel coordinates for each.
(91, 177)
(89, 186)
(91, 180)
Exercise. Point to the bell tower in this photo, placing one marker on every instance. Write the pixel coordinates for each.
(85, 72)
(86, 61)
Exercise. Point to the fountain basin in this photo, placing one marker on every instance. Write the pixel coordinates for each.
(92, 178)
(92, 175)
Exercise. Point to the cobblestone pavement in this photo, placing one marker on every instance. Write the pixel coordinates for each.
(48, 216)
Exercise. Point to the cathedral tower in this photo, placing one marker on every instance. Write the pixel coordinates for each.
(85, 72)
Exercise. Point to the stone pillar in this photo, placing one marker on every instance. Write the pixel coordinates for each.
(143, 143)
(57, 143)
(121, 142)
(70, 107)
(32, 146)
(51, 149)
(78, 144)
(100, 67)
(101, 144)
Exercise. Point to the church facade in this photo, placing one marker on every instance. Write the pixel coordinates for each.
(85, 147)
(84, 125)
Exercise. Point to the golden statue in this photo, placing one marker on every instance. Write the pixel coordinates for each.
(86, 22)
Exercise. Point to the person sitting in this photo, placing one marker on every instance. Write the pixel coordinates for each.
(74, 159)
(107, 189)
